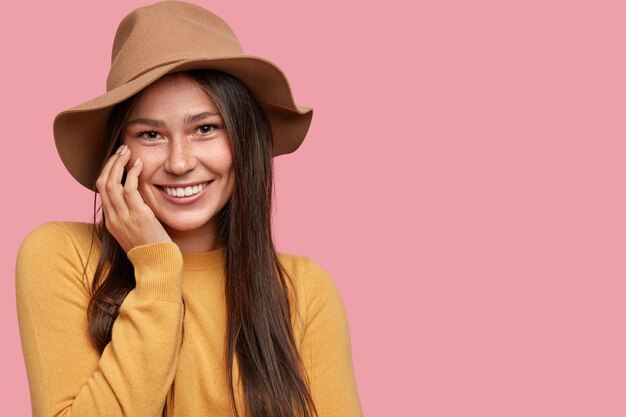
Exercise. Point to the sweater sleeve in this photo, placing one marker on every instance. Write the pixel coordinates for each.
(67, 376)
(326, 350)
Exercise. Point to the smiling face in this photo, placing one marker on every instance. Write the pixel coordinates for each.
(187, 175)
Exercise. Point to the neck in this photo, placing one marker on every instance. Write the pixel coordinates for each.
(203, 239)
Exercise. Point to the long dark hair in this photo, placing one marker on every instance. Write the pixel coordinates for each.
(257, 287)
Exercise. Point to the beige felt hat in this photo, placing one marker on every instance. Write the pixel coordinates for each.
(165, 37)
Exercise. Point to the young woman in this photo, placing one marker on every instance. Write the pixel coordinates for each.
(176, 302)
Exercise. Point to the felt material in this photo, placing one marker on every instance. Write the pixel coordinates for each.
(166, 37)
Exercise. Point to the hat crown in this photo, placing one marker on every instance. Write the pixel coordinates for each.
(164, 33)
(163, 38)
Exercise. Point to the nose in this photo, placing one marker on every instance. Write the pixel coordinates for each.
(180, 159)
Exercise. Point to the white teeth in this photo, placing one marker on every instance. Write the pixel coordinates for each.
(185, 192)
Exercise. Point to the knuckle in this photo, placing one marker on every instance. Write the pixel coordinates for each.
(109, 187)
(109, 225)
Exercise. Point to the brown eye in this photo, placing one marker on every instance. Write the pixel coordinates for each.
(149, 134)
(206, 129)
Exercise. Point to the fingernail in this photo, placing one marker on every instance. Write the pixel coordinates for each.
(124, 150)
(137, 162)
(119, 149)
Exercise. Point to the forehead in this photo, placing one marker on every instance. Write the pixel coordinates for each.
(173, 94)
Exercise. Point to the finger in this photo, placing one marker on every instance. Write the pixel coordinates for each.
(104, 173)
(131, 193)
(109, 215)
(101, 186)
(114, 186)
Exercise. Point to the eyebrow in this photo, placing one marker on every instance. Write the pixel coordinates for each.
(160, 123)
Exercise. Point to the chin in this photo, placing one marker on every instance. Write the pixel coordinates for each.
(185, 225)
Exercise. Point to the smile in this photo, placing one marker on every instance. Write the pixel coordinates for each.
(186, 191)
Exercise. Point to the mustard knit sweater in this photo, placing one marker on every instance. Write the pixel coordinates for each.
(149, 360)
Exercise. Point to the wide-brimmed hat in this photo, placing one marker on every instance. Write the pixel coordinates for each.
(166, 37)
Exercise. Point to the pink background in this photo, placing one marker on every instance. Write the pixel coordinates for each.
(463, 183)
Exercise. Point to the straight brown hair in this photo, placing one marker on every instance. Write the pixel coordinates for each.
(257, 289)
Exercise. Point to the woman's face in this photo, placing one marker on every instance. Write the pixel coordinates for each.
(187, 174)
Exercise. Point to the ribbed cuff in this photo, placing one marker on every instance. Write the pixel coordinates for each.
(158, 271)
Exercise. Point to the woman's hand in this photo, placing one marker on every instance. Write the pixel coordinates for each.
(127, 217)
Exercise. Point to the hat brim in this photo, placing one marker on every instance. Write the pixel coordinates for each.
(80, 132)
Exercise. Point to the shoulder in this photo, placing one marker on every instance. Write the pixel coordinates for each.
(56, 234)
(56, 245)
(303, 267)
(312, 281)
(322, 314)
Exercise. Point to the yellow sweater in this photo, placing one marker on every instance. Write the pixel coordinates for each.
(149, 360)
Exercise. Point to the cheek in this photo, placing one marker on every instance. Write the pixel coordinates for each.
(135, 152)
(225, 166)
(222, 164)
(148, 158)
(229, 182)
(223, 158)
(143, 180)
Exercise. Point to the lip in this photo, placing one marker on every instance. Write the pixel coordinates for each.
(183, 201)
(189, 184)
